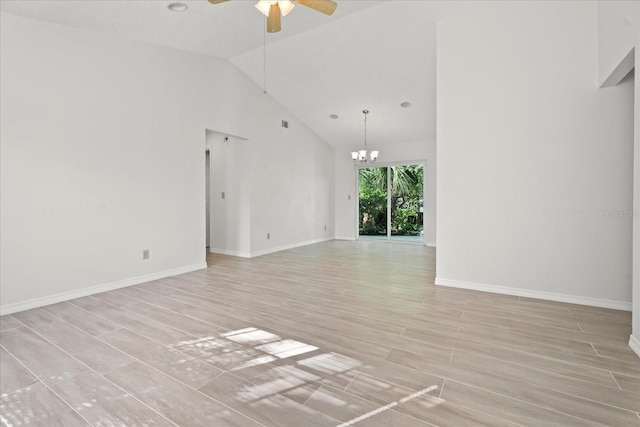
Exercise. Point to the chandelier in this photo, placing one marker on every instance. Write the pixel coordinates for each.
(364, 156)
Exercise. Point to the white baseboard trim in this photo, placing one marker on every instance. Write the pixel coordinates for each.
(66, 296)
(431, 244)
(345, 238)
(269, 250)
(634, 343)
(290, 246)
(230, 252)
(531, 293)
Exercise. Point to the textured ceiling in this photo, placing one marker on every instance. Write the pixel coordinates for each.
(368, 54)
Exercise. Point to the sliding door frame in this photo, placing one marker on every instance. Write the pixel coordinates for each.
(388, 165)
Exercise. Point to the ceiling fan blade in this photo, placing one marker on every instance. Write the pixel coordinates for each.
(217, 1)
(273, 21)
(323, 6)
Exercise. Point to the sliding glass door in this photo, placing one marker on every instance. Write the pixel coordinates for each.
(406, 203)
(373, 197)
(391, 203)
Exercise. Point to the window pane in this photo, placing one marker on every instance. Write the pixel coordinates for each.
(372, 218)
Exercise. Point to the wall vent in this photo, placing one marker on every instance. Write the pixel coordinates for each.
(285, 124)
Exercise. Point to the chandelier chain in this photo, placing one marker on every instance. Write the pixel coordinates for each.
(365, 130)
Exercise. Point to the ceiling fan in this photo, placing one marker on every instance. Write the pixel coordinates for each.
(274, 9)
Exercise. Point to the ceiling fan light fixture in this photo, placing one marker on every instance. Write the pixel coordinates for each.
(286, 6)
(276, 9)
(264, 6)
(273, 20)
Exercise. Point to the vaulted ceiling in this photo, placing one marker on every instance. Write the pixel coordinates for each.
(371, 55)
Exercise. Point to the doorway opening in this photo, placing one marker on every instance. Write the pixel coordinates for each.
(391, 203)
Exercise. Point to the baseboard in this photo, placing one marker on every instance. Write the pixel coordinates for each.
(290, 246)
(634, 343)
(230, 252)
(269, 250)
(530, 293)
(430, 244)
(66, 296)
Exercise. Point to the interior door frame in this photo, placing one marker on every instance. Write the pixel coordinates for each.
(388, 165)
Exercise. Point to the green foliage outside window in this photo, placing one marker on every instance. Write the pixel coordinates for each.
(406, 200)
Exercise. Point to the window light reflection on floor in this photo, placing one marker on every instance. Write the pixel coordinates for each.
(243, 348)
(260, 391)
(286, 348)
(250, 347)
(330, 363)
(251, 336)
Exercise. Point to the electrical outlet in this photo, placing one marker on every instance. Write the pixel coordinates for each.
(145, 254)
(268, 236)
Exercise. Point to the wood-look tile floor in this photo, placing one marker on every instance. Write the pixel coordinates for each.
(338, 333)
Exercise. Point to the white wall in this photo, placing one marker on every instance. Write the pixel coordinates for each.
(230, 217)
(534, 161)
(292, 189)
(346, 192)
(283, 177)
(346, 184)
(618, 23)
(102, 149)
(618, 34)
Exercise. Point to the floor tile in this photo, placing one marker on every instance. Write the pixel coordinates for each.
(104, 404)
(180, 366)
(34, 317)
(9, 322)
(504, 407)
(14, 375)
(289, 380)
(114, 298)
(628, 383)
(43, 359)
(174, 400)
(173, 319)
(585, 389)
(347, 407)
(36, 405)
(87, 349)
(263, 404)
(426, 406)
(82, 319)
(135, 294)
(140, 324)
(210, 316)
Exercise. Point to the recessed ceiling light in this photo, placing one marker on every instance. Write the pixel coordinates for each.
(177, 7)
(333, 116)
(405, 104)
